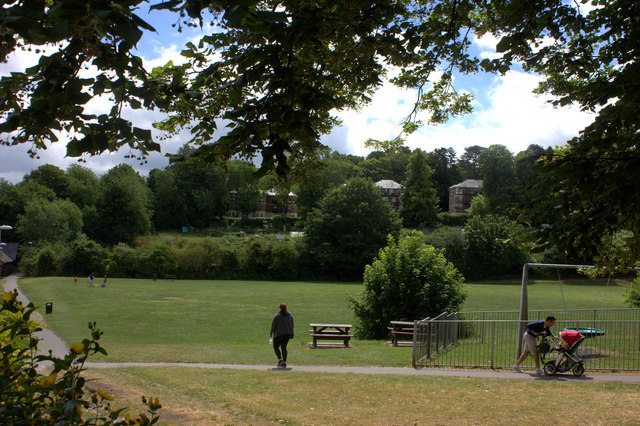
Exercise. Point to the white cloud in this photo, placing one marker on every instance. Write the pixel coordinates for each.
(585, 6)
(509, 114)
(512, 116)
(164, 55)
(487, 45)
(380, 119)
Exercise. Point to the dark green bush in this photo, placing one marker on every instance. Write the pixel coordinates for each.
(408, 280)
(452, 241)
(162, 260)
(458, 220)
(285, 261)
(493, 247)
(123, 261)
(83, 257)
(258, 259)
(45, 259)
(229, 263)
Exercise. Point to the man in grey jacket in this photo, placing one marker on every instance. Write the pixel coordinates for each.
(282, 331)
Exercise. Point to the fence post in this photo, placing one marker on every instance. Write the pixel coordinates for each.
(428, 351)
(415, 333)
(493, 341)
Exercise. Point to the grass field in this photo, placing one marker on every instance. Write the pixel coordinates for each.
(295, 398)
(228, 321)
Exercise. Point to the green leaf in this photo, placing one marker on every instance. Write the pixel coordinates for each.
(504, 44)
(271, 17)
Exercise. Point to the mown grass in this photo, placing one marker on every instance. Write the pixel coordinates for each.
(228, 321)
(259, 397)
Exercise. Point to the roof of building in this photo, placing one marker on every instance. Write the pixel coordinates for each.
(388, 184)
(274, 193)
(469, 183)
(10, 250)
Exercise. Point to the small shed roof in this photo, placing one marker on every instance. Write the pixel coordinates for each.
(4, 258)
(10, 250)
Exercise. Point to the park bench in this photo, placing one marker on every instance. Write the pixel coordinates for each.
(330, 332)
(401, 330)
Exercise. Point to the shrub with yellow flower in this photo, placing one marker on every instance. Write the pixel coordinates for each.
(59, 397)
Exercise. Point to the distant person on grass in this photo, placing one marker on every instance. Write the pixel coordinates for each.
(90, 279)
(282, 331)
(534, 329)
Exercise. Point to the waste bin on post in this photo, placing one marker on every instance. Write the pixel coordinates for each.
(48, 307)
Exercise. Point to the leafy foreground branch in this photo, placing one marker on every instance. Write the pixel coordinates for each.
(28, 396)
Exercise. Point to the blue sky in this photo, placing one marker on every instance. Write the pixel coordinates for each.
(506, 112)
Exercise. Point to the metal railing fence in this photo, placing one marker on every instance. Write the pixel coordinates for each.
(489, 338)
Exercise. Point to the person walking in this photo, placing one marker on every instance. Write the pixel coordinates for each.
(90, 279)
(534, 329)
(282, 331)
(104, 283)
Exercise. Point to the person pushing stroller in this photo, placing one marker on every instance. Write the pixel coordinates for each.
(534, 329)
(567, 359)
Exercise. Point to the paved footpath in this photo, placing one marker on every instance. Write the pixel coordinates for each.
(53, 342)
(50, 341)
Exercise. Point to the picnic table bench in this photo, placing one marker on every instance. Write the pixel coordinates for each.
(401, 330)
(330, 332)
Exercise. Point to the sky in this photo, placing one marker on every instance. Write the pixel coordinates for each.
(505, 112)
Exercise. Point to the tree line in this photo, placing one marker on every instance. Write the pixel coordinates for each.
(344, 219)
(56, 205)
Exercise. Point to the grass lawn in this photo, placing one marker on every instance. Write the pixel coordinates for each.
(228, 321)
(259, 397)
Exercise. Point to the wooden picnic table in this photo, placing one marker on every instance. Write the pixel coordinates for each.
(401, 330)
(330, 332)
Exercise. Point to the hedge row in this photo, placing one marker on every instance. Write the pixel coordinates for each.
(230, 257)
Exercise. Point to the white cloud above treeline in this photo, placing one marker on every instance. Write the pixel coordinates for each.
(509, 113)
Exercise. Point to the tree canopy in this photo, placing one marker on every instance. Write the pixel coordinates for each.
(274, 72)
(419, 198)
(270, 77)
(348, 228)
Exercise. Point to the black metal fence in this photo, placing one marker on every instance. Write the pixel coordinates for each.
(490, 338)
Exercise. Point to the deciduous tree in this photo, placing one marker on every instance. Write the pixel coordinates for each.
(494, 247)
(277, 72)
(57, 221)
(84, 186)
(469, 164)
(124, 208)
(52, 177)
(348, 228)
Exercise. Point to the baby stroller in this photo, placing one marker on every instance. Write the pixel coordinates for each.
(567, 358)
